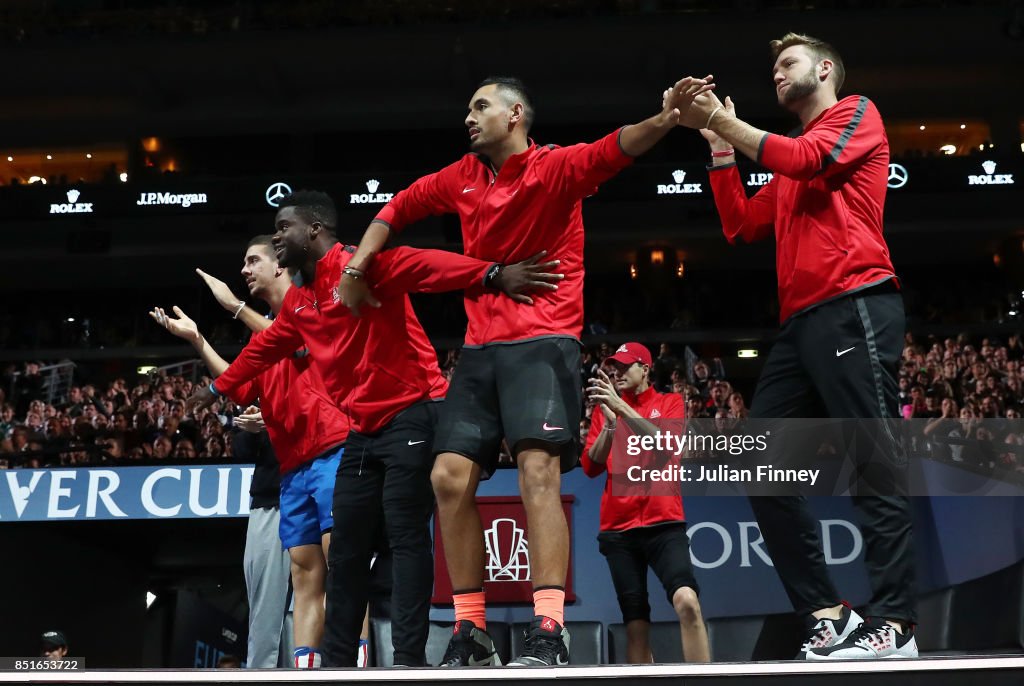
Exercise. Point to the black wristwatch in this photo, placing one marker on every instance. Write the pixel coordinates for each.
(491, 274)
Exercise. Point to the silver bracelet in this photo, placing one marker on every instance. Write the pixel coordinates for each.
(717, 109)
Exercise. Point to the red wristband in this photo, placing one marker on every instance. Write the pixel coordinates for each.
(723, 153)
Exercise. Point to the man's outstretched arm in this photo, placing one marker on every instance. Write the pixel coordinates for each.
(636, 139)
(411, 270)
(709, 113)
(264, 349)
(252, 319)
(747, 219)
(427, 195)
(578, 170)
(185, 328)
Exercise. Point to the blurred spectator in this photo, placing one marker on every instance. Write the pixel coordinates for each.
(737, 407)
(229, 662)
(162, 447)
(54, 645)
(702, 378)
(29, 387)
(954, 384)
(184, 450)
(6, 420)
(664, 365)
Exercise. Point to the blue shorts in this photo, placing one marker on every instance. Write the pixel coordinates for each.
(307, 494)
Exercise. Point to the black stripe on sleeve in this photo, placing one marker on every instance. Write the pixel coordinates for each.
(618, 141)
(760, 147)
(846, 135)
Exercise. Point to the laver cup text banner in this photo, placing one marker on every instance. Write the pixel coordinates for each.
(178, 492)
(830, 457)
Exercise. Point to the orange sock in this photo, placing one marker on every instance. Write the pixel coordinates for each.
(470, 606)
(550, 602)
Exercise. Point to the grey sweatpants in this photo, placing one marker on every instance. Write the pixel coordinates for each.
(267, 575)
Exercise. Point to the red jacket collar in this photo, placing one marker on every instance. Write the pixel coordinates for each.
(635, 401)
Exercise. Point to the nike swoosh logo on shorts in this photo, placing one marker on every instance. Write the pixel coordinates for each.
(416, 442)
(552, 428)
(841, 353)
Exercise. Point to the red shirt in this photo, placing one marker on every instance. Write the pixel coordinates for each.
(532, 204)
(301, 419)
(373, 366)
(824, 205)
(618, 512)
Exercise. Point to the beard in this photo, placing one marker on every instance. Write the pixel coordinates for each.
(800, 89)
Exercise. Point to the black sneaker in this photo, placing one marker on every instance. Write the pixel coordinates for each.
(872, 640)
(547, 645)
(825, 633)
(470, 647)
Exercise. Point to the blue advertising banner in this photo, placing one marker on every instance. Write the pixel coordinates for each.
(957, 538)
(32, 495)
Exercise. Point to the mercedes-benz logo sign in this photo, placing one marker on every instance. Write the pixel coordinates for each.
(276, 191)
(897, 176)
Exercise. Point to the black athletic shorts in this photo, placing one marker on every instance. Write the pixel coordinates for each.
(529, 390)
(665, 548)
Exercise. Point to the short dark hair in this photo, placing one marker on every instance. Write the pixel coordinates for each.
(513, 90)
(818, 48)
(264, 240)
(312, 206)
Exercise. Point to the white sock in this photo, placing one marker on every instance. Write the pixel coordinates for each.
(307, 658)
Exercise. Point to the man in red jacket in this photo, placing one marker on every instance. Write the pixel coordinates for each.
(307, 432)
(642, 530)
(842, 328)
(518, 378)
(382, 371)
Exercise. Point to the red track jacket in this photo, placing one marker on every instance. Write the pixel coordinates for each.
(373, 366)
(532, 204)
(619, 513)
(824, 205)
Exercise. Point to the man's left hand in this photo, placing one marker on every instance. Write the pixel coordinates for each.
(602, 391)
(355, 292)
(251, 420)
(221, 293)
(528, 275)
(698, 114)
(677, 100)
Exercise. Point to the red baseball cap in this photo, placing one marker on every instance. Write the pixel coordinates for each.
(628, 353)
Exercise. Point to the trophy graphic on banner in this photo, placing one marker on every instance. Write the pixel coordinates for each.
(508, 555)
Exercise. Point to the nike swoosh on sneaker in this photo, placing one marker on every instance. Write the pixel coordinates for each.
(534, 662)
